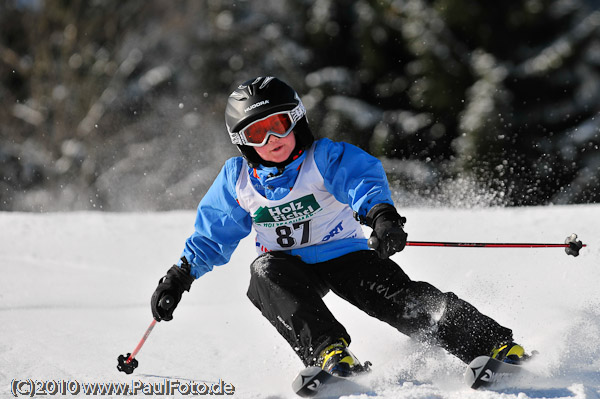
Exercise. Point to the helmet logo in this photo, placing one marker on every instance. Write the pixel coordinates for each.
(256, 105)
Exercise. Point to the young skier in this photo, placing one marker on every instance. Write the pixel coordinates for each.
(306, 201)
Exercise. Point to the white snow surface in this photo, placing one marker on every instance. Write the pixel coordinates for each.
(75, 292)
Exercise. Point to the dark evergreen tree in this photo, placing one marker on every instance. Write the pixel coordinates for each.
(119, 105)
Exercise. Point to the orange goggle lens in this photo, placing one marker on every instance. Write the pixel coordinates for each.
(257, 133)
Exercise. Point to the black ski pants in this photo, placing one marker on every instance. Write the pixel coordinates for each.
(289, 294)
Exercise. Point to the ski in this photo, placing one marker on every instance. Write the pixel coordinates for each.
(485, 371)
(482, 372)
(310, 381)
(315, 382)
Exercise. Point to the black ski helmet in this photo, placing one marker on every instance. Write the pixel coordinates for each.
(258, 98)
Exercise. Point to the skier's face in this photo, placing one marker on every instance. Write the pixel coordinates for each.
(277, 149)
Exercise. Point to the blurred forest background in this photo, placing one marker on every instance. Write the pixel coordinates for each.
(118, 105)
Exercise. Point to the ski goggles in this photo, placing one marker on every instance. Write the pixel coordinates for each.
(258, 132)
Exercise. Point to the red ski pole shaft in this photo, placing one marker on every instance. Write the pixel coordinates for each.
(483, 244)
(141, 343)
(571, 245)
(127, 363)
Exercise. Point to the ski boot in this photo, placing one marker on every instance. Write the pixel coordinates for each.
(511, 352)
(337, 360)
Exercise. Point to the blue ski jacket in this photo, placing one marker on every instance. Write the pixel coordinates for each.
(351, 175)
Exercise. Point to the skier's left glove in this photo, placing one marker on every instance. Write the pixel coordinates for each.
(177, 280)
(388, 235)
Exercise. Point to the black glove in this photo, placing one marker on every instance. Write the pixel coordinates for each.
(388, 237)
(170, 288)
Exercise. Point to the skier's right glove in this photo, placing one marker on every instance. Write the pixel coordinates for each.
(170, 288)
(388, 235)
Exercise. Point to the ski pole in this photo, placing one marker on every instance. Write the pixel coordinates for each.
(128, 363)
(571, 245)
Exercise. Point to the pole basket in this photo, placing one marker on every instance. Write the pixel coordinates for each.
(127, 364)
(573, 245)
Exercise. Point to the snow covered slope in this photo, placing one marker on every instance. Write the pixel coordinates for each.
(75, 291)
